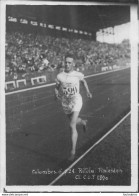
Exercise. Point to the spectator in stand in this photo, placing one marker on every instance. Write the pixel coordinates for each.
(44, 62)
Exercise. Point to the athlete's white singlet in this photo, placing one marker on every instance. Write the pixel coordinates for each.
(69, 90)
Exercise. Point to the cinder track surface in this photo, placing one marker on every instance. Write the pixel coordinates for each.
(37, 133)
(107, 163)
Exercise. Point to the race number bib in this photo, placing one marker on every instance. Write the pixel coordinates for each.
(69, 91)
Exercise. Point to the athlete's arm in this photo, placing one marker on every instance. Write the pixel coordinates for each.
(56, 90)
(86, 88)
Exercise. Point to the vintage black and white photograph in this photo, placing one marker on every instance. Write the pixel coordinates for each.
(68, 94)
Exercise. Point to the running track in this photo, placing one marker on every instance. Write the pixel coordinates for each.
(37, 134)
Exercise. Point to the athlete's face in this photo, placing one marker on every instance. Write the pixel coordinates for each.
(69, 62)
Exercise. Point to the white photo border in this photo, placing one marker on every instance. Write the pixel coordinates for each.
(134, 107)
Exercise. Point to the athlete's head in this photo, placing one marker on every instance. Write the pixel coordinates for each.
(69, 62)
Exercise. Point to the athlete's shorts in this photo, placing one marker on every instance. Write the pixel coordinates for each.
(73, 104)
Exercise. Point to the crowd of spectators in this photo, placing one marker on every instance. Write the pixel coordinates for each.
(28, 54)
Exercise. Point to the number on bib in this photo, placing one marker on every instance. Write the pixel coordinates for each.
(69, 91)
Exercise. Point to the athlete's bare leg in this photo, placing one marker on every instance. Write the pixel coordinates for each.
(74, 134)
(74, 120)
(80, 121)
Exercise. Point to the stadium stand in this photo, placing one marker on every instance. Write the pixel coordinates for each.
(29, 55)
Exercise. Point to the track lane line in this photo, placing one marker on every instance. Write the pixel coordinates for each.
(83, 155)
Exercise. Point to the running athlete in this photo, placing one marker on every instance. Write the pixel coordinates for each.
(67, 90)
